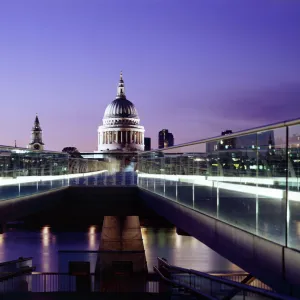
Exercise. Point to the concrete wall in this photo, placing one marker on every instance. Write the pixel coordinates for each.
(275, 265)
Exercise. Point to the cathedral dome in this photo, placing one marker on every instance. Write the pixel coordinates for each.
(121, 130)
(121, 108)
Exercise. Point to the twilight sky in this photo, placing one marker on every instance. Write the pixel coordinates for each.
(194, 67)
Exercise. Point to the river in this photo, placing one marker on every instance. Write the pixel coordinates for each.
(43, 244)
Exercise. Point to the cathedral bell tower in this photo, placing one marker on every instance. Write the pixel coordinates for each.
(36, 136)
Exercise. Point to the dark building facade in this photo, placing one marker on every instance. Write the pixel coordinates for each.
(147, 143)
(165, 139)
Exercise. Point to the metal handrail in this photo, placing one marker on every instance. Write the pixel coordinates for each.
(15, 261)
(234, 284)
(16, 274)
(232, 135)
(191, 289)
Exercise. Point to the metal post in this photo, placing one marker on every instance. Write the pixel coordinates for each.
(287, 209)
(218, 199)
(193, 195)
(256, 215)
(257, 198)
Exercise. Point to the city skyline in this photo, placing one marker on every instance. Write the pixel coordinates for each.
(204, 65)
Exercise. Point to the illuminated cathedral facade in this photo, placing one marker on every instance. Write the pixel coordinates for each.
(121, 129)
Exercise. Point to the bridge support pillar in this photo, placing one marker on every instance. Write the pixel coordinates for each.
(121, 246)
(121, 259)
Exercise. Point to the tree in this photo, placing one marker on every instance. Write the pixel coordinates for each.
(72, 151)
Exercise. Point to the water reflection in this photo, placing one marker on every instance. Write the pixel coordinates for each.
(92, 237)
(45, 231)
(183, 251)
(92, 229)
(46, 252)
(2, 254)
(44, 245)
(298, 228)
(178, 239)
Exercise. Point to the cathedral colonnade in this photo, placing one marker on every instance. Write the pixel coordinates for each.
(121, 137)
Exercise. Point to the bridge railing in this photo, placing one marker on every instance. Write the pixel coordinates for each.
(25, 172)
(249, 179)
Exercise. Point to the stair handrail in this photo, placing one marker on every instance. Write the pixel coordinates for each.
(244, 287)
(10, 275)
(187, 287)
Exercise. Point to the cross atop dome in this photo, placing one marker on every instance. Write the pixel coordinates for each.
(121, 87)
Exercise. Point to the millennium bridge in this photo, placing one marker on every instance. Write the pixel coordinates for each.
(237, 193)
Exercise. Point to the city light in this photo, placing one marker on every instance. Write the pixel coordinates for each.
(92, 229)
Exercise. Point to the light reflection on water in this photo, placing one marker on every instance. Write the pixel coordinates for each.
(43, 246)
(183, 251)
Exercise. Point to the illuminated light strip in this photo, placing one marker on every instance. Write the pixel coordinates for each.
(255, 190)
(294, 196)
(200, 180)
(159, 176)
(32, 179)
(258, 180)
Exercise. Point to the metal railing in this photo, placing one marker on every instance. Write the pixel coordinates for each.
(17, 281)
(29, 185)
(52, 282)
(249, 179)
(239, 277)
(212, 286)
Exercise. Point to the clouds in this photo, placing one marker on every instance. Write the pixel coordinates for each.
(267, 105)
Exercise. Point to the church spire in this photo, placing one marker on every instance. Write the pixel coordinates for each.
(121, 88)
(36, 135)
(36, 125)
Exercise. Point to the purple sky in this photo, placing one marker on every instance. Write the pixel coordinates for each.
(194, 67)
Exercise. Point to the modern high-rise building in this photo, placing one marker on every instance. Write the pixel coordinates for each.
(165, 139)
(147, 142)
(36, 136)
(226, 143)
